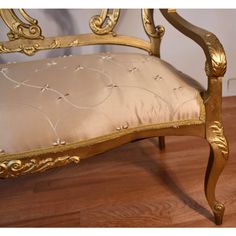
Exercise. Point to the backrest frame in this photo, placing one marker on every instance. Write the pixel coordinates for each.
(26, 37)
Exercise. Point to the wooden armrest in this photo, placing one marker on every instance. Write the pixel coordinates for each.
(214, 51)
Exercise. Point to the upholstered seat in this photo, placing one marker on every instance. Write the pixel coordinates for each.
(70, 99)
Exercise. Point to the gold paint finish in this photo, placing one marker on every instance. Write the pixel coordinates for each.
(13, 168)
(71, 41)
(215, 69)
(219, 138)
(218, 145)
(3, 49)
(26, 37)
(101, 25)
(105, 22)
(149, 26)
(155, 33)
(18, 28)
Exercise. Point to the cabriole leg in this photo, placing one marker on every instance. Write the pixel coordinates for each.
(217, 160)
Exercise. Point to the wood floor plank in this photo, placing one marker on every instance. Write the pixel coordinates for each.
(135, 185)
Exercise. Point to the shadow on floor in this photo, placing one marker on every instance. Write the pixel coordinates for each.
(168, 178)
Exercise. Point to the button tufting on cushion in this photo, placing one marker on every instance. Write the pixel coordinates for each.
(63, 100)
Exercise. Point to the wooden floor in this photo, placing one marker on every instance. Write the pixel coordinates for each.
(136, 185)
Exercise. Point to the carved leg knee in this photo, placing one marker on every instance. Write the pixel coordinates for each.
(162, 142)
(217, 160)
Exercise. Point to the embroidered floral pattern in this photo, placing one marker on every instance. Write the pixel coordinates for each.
(138, 97)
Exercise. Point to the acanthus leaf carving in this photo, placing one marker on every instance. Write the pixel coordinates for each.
(216, 66)
(13, 168)
(219, 139)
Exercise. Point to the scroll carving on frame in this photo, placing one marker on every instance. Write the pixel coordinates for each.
(105, 22)
(13, 168)
(19, 28)
(149, 25)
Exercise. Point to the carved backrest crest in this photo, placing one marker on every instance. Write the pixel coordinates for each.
(18, 28)
(149, 25)
(155, 33)
(25, 34)
(105, 22)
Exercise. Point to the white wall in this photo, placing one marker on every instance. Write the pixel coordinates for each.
(176, 48)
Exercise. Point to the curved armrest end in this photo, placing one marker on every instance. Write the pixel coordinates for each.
(215, 56)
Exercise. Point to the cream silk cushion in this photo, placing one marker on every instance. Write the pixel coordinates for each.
(70, 99)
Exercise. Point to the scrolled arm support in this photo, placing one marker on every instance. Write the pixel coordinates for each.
(214, 51)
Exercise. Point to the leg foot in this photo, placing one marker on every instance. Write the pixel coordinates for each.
(218, 210)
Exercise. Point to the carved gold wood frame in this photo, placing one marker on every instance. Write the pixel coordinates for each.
(26, 37)
(105, 22)
(155, 33)
(102, 25)
(18, 28)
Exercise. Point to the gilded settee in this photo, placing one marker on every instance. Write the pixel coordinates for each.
(61, 110)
